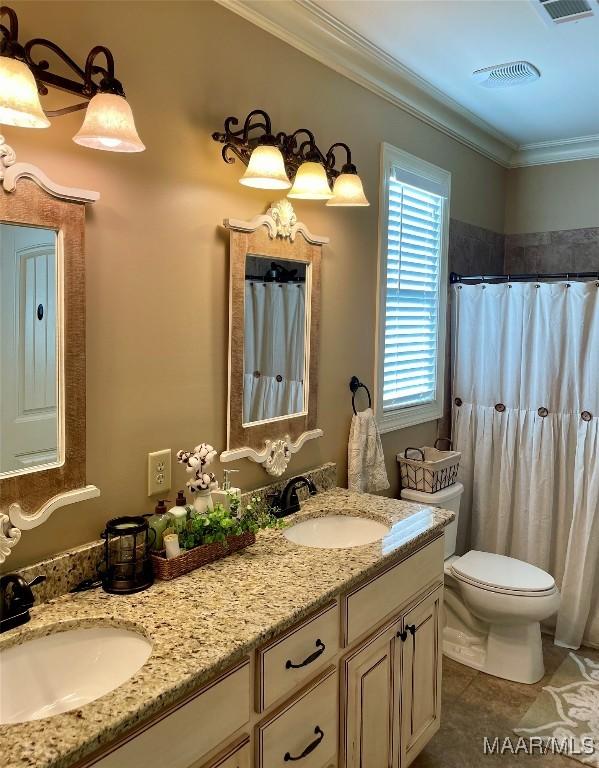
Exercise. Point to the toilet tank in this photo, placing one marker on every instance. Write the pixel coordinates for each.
(448, 498)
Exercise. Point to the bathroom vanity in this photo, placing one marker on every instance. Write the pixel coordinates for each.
(282, 653)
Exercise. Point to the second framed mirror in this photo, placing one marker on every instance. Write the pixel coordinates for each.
(273, 337)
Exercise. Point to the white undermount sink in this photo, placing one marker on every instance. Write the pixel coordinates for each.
(65, 670)
(336, 532)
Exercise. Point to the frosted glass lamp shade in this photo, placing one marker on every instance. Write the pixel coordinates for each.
(266, 169)
(311, 183)
(348, 191)
(19, 99)
(109, 125)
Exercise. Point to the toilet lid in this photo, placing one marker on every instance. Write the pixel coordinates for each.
(502, 574)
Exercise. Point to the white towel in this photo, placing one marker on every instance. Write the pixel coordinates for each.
(366, 463)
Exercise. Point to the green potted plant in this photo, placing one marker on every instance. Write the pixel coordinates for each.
(215, 533)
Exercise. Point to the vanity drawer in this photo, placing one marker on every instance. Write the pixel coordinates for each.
(186, 732)
(306, 725)
(293, 658)
(369, 604)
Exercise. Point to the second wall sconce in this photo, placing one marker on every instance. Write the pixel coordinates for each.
(272, 160)
(108, 122)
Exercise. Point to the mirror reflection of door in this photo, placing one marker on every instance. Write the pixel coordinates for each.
(28, 364)
(274, 338)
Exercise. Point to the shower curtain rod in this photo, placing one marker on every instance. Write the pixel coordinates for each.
(455, 278)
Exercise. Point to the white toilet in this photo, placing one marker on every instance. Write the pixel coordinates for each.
(493, 604)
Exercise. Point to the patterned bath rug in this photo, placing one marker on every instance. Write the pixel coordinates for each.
(565, 716)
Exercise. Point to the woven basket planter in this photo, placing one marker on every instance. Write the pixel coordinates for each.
(432, 470)
(194, 558)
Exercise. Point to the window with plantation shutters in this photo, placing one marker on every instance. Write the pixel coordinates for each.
(412, 282)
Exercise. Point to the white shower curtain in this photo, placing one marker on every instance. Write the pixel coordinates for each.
(526, 419)
(275, 322)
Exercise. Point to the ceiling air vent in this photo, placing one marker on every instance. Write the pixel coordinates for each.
(559, 11)
(506, 75)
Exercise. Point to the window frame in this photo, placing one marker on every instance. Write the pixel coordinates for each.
(411, 415)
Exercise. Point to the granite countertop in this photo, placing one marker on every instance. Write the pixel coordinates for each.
(204, 622)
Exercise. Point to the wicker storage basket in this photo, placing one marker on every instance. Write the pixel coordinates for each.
(194, 558)
(430, 470)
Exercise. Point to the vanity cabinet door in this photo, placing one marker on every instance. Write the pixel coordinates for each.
(368, 701)
(417, 675)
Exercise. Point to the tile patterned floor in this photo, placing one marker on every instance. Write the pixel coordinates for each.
(476, 705)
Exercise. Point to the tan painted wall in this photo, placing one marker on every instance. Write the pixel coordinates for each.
(157, 258)
(545, 198)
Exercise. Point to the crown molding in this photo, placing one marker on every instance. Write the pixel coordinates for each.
(307, 27)
(318, 34)
(561, 151)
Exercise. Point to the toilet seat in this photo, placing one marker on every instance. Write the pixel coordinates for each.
(506, 575)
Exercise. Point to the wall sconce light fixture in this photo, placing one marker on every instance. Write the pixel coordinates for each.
(108, 122)
(273, 159)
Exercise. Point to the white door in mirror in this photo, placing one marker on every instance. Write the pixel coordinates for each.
(65, 670)
(28, 349)
(336, 532)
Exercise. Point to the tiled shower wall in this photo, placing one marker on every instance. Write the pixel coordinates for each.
(474, 250)
(570, 250)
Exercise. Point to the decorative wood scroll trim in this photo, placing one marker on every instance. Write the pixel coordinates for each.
(9, 536)
(11, 172)
(28, 171)
(276, 454)
(26, 521)
(281, 221)
(7, 156)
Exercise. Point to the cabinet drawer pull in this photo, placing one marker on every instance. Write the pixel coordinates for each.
(312, 657)
(310, 748)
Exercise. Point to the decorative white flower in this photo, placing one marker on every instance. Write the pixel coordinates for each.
(201, 456)
(194, 463)
(205, 453)
(203, 481)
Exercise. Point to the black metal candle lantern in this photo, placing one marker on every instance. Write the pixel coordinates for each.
(127, 564)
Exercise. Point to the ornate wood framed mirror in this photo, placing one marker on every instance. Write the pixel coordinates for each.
(274, 332)
(42, 347)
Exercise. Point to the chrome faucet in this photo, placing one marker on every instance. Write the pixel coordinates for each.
(287, 500)
(16, 598)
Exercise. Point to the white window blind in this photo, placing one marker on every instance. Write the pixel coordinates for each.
(412, 336)
(411, 307)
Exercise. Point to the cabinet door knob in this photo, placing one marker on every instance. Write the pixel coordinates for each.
(309, 659)
(402, 636)
(310, 748)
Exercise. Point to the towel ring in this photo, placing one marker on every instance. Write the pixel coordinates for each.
(355, 384)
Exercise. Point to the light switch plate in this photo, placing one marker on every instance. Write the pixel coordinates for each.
(159, 472)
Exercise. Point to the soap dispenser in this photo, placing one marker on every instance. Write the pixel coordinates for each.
(178, 513)
(159, 522)
(224, 495)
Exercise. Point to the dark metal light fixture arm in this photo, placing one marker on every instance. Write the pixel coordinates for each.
(348, 167)
(11, 33)
(91, 79)
(296, 147)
